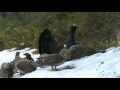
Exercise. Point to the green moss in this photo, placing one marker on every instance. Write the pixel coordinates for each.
(94, 28)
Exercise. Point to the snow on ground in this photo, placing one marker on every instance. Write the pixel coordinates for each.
(99, 65)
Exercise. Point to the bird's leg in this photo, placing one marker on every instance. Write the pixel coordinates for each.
(52, 67)
(55, 68)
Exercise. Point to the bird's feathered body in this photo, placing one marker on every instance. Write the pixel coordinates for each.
(25, 66)
(76, 51)
(6, 70)
(70, 41)
(47, 44)
(53, 60)
(18, 59)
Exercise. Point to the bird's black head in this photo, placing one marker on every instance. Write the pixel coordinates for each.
(28, 56)
(73, 27)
